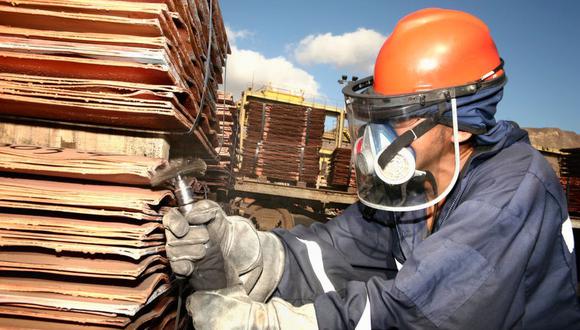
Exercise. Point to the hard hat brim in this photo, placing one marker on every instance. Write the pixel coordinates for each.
(372, 106)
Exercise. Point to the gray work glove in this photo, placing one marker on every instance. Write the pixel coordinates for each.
(245, 250)
(231, 308)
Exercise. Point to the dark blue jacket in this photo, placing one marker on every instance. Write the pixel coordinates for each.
(501, 255)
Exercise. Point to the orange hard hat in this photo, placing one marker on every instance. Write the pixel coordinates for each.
(435, 48)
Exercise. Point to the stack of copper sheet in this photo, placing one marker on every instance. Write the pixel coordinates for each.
(220, 175)
(227, 113)
(570, 179)
(341, 174)
(81, 241)
(133, 64)
(283, 141)
(74, 164)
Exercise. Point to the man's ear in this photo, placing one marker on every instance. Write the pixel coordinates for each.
(463, 136)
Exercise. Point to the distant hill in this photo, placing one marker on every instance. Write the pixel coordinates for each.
(550, 140)
(553, 138)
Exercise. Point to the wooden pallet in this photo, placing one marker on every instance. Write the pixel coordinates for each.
(84, 140)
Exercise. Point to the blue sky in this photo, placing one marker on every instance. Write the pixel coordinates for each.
(307, 45)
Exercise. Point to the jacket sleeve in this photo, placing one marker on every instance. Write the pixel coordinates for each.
(469, 274)
(344, 249)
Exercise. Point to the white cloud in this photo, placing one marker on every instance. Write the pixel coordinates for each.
(353, 50)
(234, 35)
(247, 68)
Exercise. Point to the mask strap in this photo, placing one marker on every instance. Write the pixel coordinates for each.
(405, 140)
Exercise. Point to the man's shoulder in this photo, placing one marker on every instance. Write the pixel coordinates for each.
(511, 164)
(522, 161)
(510, 170)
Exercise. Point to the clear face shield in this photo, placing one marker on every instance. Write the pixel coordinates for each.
(401, 162)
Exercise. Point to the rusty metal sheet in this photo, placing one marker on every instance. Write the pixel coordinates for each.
(80, 210)
(159, 311)
(131, 252)
(131, 110)
(341, 173)
(13, 323)
(168, 322)
(50, 20)
(82, 296)
(109, 228)
(143, 45)
(145, 20)
(179, 54)
(88, 68)
(283, 141)
(179, 98)
(569, 163)
(86, 37)
(37, 262)
(164, 306)
(178, 20)
(227, 114)
(96, 199)
(80, 27)
(71, 163)
(32, 104)
(81, 240)
(221, 176)
(108, 237)
(126, 64)
(572, 187)
(51, 316)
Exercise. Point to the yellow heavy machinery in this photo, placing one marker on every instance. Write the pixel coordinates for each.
(274, 202)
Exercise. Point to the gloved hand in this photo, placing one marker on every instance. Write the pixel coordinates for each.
(245, 250)
(231, 308)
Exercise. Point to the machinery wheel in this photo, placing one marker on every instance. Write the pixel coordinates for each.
(269, 218)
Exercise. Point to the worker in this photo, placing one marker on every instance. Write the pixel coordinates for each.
(461, 224)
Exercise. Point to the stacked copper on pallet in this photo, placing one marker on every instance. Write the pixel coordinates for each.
(128, 64)
(283, 141)
(81, 240)
(221, 176)
(570, 178)
(342, 174)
